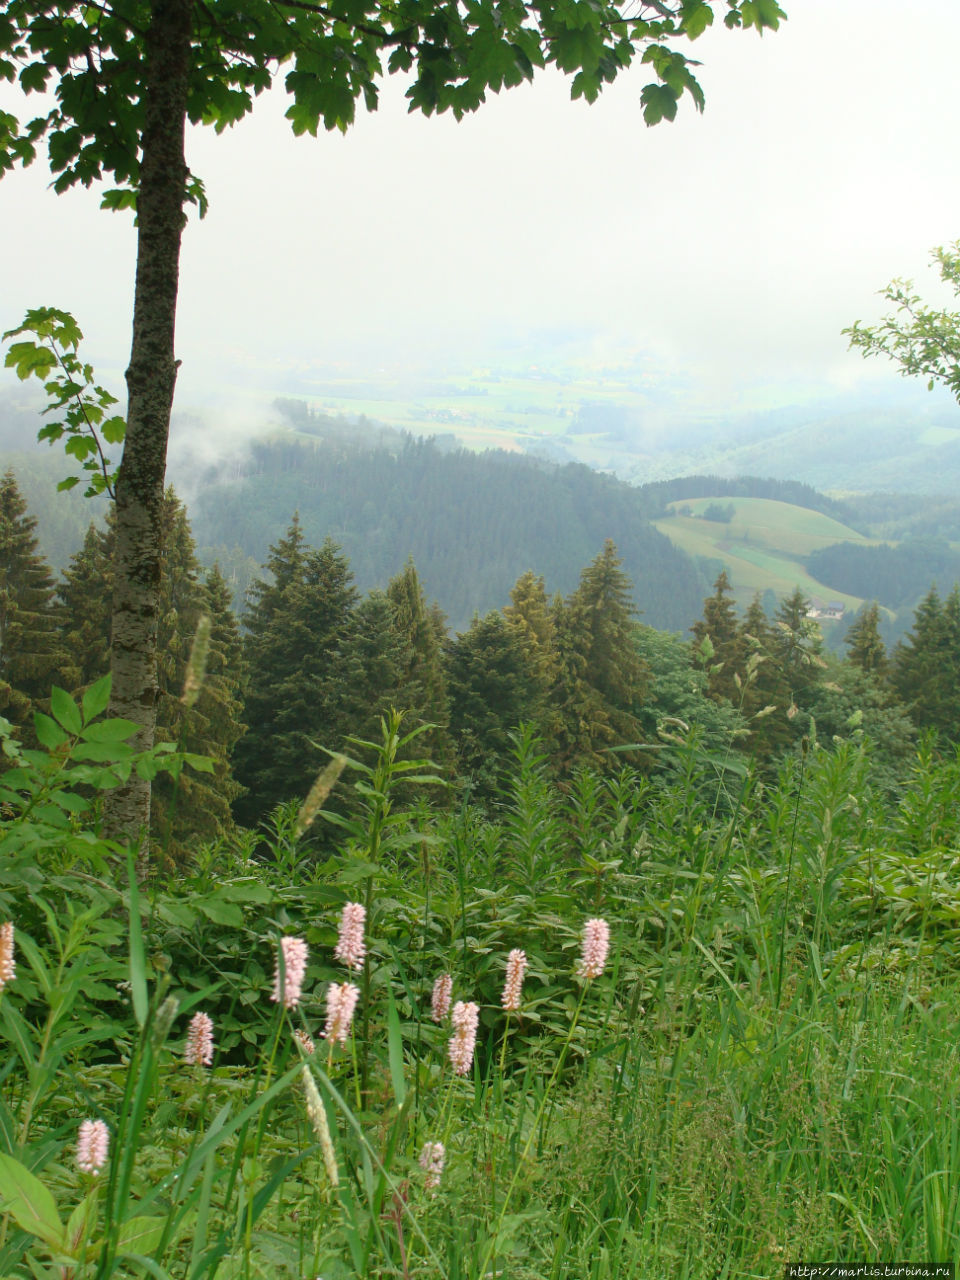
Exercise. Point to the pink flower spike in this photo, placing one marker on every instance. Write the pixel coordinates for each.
(93, 1142)
(594, 948)
(294, 951)
(516, 964)
(432, 1159)
(305, 1042)
(350, 948)
(465, 1018)
(440, 1000)
(8, 964)
(341, 1003)
(198, 1051)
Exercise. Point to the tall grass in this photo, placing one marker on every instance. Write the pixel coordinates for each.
(766, 1072)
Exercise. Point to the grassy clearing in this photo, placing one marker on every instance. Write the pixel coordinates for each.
(763, 545)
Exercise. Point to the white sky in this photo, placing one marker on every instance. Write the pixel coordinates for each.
(734, 246)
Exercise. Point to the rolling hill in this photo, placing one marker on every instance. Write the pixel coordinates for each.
(763, 546)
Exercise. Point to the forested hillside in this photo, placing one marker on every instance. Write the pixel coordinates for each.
(472, 522)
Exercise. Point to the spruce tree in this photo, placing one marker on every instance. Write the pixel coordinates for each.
(762, 685)
(32, 652)
(530, 616)
(206, 718)
(926, 665)
(297, 699)
(718, 643)
(86, 596)
(492, 689)
(374, 666)
(865, 647)
(796, 649)
(424, 691)
(601, 678)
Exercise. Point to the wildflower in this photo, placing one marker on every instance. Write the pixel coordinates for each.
(594, 947)
(341, 1002)
(431, 1162)
(350, 948)
(305, 1042)
(198, 1051)
(317, 1115)
(8, 965)
(440, 1000)
(93, 1142)
(294, 967)
(465, 1017)
(516, 963)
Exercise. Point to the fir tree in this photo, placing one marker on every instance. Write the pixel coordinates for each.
(865, 648)
(86, 595)
(718, 643)
(492, 688)
(424, 692)
(297, 700)
(529, 615)
(926, 665)
(601, 680)
(375, 664)
(206, 719)
(32, 652)
(764, 696)
(796, 649)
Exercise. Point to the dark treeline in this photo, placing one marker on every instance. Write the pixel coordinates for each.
(655, 498)
(907, 515)
(472, 522)
(896, 576)
(317, 662)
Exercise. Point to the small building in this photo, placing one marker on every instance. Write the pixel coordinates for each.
(835, 610)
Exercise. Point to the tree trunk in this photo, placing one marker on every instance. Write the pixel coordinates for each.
(151, 377)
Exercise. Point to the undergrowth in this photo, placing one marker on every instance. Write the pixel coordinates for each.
(765, 1071)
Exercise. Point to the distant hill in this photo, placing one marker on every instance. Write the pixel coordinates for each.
(896, 445)
(763, 544)
(472, 522)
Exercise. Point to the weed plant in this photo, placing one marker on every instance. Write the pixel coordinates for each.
(762, 1068)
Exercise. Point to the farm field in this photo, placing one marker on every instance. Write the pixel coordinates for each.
(763, 546)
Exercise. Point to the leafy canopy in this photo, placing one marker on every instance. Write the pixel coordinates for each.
(923, 341)
(90, 57)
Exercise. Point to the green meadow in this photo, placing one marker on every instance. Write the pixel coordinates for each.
(763, 546)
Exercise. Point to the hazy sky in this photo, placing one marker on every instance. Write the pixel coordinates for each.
(733, 246)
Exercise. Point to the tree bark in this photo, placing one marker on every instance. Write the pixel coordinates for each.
(151, 377)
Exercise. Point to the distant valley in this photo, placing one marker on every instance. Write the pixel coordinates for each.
(354, 468)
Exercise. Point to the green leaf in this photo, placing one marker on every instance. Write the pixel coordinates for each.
(221, 912)
(65, 710)
(395, 1051)
(19, 1033)
(138, 965)
(659, 103)
(140, 1235)
(80, 1223)
(96, 698)
(202, 764)
(696, 20)
(116, 730)
(49, 734)
(114, 430)
(29, 1202)
(119, 198)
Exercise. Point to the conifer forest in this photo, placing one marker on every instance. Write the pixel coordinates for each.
(522, 850)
